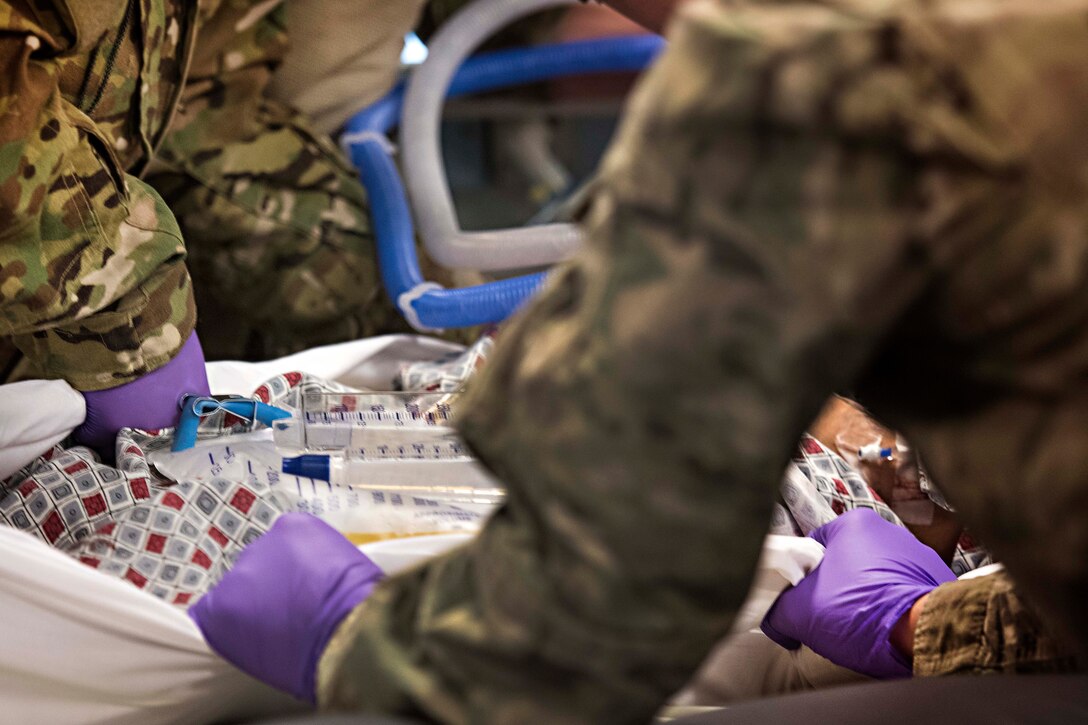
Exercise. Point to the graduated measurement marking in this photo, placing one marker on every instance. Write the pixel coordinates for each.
(440, 415)
(410, 451)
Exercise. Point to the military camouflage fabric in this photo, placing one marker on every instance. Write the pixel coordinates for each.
(93, 286)
(805, 196)
(982, 625)
(275, 217)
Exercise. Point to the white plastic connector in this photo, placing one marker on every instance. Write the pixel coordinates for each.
(350, 139)
(405, 300)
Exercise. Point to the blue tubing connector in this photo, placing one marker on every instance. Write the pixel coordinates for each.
(195, 407)
(425, 304)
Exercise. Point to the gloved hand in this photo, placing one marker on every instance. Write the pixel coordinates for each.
(148, 402)
(871, 574)
(275, 610)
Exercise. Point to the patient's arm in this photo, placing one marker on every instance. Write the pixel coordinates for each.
(844, 426)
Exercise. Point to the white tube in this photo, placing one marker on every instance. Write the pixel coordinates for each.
(424, 172)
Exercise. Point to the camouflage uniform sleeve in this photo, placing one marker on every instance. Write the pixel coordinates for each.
(762, 223)
(93, 285)
(983, 625)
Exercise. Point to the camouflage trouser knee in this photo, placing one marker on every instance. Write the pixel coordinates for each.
(275, 218)
(280, 245)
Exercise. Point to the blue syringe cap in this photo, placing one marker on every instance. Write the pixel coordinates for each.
(308, 466)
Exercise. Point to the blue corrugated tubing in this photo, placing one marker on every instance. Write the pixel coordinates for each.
(370, 151)
(399, 265)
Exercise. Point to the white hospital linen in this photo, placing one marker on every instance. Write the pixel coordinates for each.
(83, 648)
(371, 363)
(80, 647)
(92, 649)
(35, 415)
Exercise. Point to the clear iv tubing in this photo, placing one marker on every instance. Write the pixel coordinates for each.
(426, 305)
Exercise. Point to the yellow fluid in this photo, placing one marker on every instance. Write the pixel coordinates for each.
(358, 538)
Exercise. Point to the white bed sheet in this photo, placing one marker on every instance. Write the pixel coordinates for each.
(80, 647)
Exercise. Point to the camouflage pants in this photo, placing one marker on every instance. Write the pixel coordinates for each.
(93, 284)
(274, 216)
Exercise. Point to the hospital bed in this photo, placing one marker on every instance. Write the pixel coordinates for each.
(86, 648)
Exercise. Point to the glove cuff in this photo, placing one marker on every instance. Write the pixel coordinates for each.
(354, 585)
(888, 662)
(769, 629)
(148, 402)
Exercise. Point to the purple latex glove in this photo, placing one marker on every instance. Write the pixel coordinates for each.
(147, 402)
(275, 610)
(871, 574)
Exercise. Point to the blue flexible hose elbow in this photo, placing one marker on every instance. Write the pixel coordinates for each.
(483, 304)
(424, 304)
(426, 307)
(390, 215)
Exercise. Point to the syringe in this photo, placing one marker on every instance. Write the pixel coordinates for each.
(460, 473)
(373, 425)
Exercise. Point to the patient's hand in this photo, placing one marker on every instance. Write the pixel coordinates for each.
(845, 427)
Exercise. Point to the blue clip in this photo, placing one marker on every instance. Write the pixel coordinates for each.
(195, 407)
